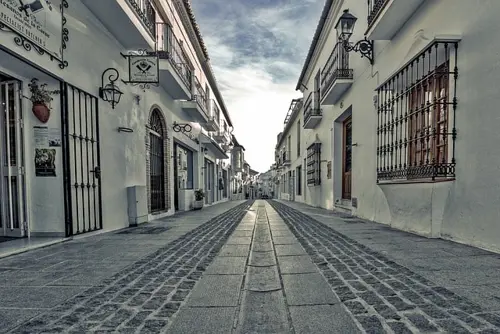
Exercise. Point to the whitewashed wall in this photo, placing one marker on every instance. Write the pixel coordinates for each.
(90, 50)
(465, 210)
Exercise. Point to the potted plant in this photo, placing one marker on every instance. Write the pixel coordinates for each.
(41, 98)
(199, 195)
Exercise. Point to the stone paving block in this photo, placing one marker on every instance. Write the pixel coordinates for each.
(282, 233)
(239, 241)
(245, 227)
(234, 250)
(216, 290)
(10, 318)
(242, 234)
(321, 319)
(308, 289)
(300, 264)
(262, 259)
(227, 265)
(285, 240)
(263, 313)
(204, 320)
(279, 227)
(288, 250)
(262, 279)
(36, 297)
(260, 246)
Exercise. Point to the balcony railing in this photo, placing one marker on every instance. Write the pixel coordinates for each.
(169, 48)
(146, 13)
(309, 109)
(215, 112)
(200, 95)
(336, 67)
(286, 156)
(375, 7)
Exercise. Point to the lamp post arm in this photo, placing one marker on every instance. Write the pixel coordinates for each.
(364, 47)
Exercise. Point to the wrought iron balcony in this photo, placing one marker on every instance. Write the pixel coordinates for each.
(312, 114)
(286, 158)
(197, 106)
(336, 76)
(134, 28)
(213, 119)
(386, 17)
(146, 13)
(176, 74)
(375, 7)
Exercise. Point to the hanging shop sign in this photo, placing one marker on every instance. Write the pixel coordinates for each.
(143, 68)
(38, 25)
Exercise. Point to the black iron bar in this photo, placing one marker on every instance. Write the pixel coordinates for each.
(75, 161)
(87, 160)
(82, 177)
(93, 105)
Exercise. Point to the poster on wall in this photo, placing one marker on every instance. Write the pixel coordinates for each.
(45, 162)
(41, 136)
(38, 22)
(54, 137)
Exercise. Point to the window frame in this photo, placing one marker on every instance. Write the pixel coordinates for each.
(314, 164)
(189, 157)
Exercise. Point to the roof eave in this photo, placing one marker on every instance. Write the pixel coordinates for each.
(314, 43)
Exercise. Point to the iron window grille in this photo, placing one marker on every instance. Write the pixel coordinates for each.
(310, 109)
(375, 7)
(336, 67)
(416, 117)
(313, 164)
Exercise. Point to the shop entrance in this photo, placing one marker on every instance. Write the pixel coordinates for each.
(12, 181)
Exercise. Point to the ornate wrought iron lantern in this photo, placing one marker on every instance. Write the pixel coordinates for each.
(110, 92)
(345, 28)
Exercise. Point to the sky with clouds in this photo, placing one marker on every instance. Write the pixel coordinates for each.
(257, 49)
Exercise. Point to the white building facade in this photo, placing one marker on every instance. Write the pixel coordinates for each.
(93, 161)
(390, 136)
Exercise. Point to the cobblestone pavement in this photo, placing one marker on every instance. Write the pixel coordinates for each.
(262, 281)
(144, 296)
(381, 295)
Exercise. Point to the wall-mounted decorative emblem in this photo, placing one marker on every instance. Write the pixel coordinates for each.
(41, 98)
(110, 92)
(143, 68)
(38, 25)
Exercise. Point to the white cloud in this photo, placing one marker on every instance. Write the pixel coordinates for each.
(257, 54)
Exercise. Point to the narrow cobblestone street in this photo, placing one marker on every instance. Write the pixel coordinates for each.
(251, 267)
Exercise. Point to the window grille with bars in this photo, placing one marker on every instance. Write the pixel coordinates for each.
(313, 165)
(416, 117)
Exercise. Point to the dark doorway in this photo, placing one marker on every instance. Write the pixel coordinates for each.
(156, 162)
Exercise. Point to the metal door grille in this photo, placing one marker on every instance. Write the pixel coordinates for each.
(81, 160)
(157, 161)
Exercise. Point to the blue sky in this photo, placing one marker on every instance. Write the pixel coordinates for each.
(257, 49)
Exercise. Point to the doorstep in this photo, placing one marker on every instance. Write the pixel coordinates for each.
(21, 245)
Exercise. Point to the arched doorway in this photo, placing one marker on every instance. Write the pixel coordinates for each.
(157, 164)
